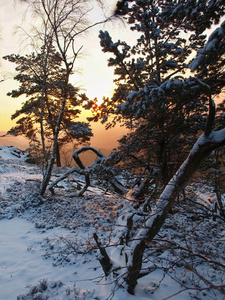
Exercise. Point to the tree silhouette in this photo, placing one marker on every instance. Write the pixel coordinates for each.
(161, 103)
(41, 81)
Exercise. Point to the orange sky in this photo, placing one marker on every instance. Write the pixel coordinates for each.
(93, 76)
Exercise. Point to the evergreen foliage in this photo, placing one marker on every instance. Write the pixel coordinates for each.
(157, 99)
(164, 105)
(41, 79)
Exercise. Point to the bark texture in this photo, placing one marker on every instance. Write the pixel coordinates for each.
(201, 149)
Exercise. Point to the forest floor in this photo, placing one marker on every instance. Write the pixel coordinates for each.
(47, 250)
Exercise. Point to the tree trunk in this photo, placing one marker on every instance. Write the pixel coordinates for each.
(48, 172)
(201, 149)
(58, 160)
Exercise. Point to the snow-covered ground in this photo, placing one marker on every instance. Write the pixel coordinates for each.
(47, 250)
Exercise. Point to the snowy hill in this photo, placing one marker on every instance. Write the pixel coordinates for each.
(47, 250)
(8, 153)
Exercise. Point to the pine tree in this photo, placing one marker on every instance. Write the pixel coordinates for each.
(153, 93)
(157, 101)
(41, 81)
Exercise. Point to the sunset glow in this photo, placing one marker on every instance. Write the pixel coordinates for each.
(112, 149)
(91, 74)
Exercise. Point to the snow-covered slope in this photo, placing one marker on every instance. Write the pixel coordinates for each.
(8, 153)
(47, 250)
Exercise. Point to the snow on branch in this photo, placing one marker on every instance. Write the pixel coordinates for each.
(63, 176)
(100, 160)
(118, 187)
(202, 148)
(84, 149)
(215, 42)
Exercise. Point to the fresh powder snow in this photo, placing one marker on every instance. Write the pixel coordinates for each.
(47, 250)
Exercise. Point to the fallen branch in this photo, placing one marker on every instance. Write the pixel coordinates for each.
(70, 171)
(118, 187)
